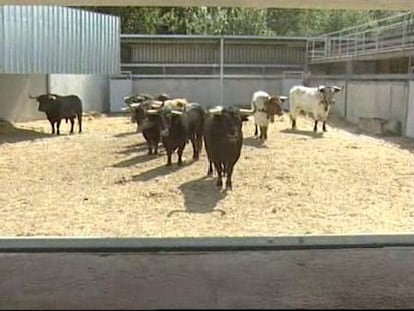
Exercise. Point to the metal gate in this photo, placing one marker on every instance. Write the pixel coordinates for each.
(290, 79)
(119, 87)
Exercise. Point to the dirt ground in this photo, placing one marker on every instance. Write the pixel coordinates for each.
(103, 183)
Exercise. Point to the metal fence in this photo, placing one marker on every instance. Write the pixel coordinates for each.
(393, 35)
(54, 39)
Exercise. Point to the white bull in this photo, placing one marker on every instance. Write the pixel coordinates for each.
(267, 107)
(316, 101)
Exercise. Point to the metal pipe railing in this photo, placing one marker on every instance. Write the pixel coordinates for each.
(364, 40)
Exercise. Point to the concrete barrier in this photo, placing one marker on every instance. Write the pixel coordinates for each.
(366, 271)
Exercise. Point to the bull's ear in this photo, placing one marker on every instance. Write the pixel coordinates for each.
(283, 98)
(321, 88)
(337, 88)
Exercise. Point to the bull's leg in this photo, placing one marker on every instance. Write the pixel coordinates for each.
(155, 147)
(199, 138)
(80, 122)
(210, 168)
(169, 154)
(149, 147)
(219, 170)
(263, 130)
(293, 120)
(324, 126)
(229, 172)
(180, 154)
(194, 144)
(315, 127)
(58, 127)
(52, 124)
(72, 124)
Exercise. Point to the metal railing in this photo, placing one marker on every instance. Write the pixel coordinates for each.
(388, 35)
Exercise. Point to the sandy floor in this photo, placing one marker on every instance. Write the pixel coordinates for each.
(102, 183)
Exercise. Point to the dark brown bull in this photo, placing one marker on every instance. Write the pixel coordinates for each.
(59, 107)
(223, 139)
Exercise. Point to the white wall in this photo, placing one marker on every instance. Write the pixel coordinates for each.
(14, 91)
(93, 90)
(15, 105)
(207, 91)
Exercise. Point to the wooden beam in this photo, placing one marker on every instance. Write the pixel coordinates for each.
(301, 4)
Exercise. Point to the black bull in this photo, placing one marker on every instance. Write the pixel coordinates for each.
(177, 127)
(59, 107)
(223, 139)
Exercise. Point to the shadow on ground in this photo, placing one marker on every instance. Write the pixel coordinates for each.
(254, 142)
(141, 146)
(201, 196)
(309, 133)
(141, 158)
(160, 171)
(11, 134)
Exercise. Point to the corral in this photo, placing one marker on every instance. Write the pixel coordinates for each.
(102, 183)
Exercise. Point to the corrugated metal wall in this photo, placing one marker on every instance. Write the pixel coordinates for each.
(54, 39)
(190, 50)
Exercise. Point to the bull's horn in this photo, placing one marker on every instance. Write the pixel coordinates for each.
(32, 97)
(216, 111)
(152, 111)
(283, 97)
(145, 96)
(338, 88)
(248, 112)
(156, 104)
(135, 105)
(125, 109)
(163, 97)
(177, 112)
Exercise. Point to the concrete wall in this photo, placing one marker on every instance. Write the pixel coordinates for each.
(410, 111)
(370, 99)
(93, 90)
(15, 105)
(14, 102)
(207, 91)
(310, 272)
(340, 98)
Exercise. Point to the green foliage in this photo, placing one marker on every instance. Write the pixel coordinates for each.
(236, 21)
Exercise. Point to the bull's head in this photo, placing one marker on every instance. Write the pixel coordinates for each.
(166, 118)
(163, 97)
(230, 119)
(273, 106)
(44, 100)
(328, 94)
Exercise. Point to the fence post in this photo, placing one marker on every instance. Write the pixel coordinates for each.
(221, 69)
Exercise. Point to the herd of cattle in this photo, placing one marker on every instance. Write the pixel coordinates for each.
(176, 121)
